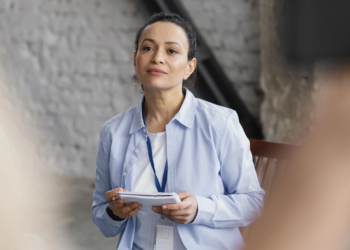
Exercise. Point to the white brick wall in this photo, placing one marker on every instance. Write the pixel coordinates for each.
(70, 64)
(231, 30)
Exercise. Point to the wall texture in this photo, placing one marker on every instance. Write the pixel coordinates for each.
(290, 90)
(71, 64)
(231, 29)
(68, 65)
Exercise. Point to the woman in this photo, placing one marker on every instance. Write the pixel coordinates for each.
(199, 151)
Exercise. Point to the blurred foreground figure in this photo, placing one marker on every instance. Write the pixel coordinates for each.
(11, 235)
(18, 219)
(8, 175)
(310, 209)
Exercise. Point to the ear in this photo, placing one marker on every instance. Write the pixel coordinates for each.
(191, 66)
(135, 59)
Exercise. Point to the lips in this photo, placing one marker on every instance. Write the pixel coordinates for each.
(156, 72)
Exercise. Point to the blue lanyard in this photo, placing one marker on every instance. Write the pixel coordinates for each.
(150, 155)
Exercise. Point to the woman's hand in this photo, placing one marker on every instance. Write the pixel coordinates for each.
(119, 207)
(184, 212)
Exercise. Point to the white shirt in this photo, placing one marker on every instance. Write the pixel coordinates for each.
(143, 177)
(144, 181)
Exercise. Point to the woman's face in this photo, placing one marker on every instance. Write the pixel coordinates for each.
(161, 60)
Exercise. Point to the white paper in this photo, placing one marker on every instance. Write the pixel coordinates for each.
(164, 240)
(148, 200)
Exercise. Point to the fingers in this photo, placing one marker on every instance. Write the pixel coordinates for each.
(111, 195)
(185, 203)
(183, 212)
(117, 202)
(176, 206)
(178, 219)
(134, 211)
(184, 194)
(173, 209)
(118, 206)
(127, 211)
(180, 216)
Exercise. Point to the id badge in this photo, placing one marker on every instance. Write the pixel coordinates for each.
(164, 234)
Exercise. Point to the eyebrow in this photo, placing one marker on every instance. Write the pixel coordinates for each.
(153, 41)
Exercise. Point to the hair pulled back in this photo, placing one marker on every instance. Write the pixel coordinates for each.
(191, 36)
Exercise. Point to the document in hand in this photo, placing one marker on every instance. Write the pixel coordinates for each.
(148, 200)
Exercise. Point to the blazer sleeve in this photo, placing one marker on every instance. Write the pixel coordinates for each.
(243, 201)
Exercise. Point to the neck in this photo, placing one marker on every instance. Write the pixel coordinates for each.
(161, 106)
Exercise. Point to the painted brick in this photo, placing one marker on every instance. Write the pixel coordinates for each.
(231, 30)
(71, 62)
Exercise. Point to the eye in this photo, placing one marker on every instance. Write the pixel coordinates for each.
(171, 51)
(147, 48)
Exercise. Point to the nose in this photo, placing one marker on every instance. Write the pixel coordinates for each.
(158, 57)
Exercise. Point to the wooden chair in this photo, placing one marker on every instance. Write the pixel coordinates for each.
(270, 160)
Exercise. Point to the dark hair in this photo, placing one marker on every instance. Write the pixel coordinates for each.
(191, 36)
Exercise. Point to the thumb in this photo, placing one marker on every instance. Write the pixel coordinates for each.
(118, 190)
(183, 195)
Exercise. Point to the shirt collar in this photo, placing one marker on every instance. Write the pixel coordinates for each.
(185, 115)
(137, 120)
